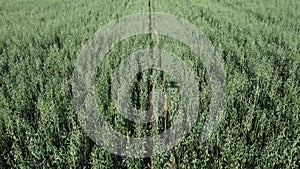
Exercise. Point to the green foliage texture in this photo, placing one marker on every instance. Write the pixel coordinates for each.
(258, 41)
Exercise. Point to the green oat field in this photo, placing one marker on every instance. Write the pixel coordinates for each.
(258, 44)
